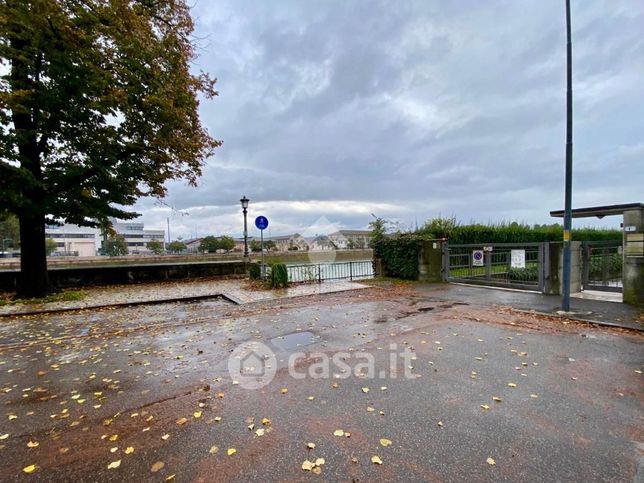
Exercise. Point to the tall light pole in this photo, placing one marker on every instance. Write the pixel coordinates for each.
(567, 238)
(244, 202)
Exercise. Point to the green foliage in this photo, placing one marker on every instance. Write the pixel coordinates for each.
(176, 246)
(99, 106)
(50, 246)
(399, 254)
(378, 227)
(115, 246)
(279, 275)
(508, 232)
(608, 266)
(211, 244)
(528, 274)
(155, 246)
(9, 230)
(255, 271)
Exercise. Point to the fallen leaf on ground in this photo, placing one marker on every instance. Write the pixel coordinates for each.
(29, 469)
(165, 437)
(197, 414)
(182, 421)
(310, 445)
(376, 460)
(114, 464)
(33, 444)
(511, 384)
(490, 461)
(485, 407)
(231, 451)
(157, 466)
(129, 450)
(307, 465)
(496, 398)
(365, 389)
(338, 432)
(213, 449)
(260, 432)
(284, 390)
(266, 421)
(385, 442)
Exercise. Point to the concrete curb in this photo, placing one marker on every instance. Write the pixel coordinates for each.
(579, 319)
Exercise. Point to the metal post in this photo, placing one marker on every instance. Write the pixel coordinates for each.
(350, 270)
(261, 237)
(488, 264)
(319, 274)
(565, 299)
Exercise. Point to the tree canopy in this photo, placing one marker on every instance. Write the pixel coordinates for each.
(98, 107)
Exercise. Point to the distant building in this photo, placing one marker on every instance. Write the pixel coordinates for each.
(137, 237)
(192, 244)
(74, 240)
(289, 242)
(344, 239)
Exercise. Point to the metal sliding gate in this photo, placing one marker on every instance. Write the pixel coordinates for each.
(510, 265)
(602, 265)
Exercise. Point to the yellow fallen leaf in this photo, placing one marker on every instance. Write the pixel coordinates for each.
(29, 469)
(533, 396)
(165, 437)
(182, 421)
(316, 470)
(307, 465)
(485, 407)
(197, 414)
(32, 444)
(490, 461)
(129, 450)
(213, 449)
(338, 432)
(310, 445)
(365, 389)
(370, 409)
(217, 419)
(231, 451)
(114, 449)
(319, 461)
(511, 384)
(4, 436)
(496, 398)
(114, 464)
(266, 421)
(260, 432)
(114, 437)
(440, 423)
(284, 390)
(385, 442)
(311, 398)
(376, 460)
(171, 477)
(157, 466)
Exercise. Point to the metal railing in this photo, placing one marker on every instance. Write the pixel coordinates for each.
(359, 270)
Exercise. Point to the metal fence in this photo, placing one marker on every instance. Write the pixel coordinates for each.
(358, 270)
(602, 266)
(511, 265)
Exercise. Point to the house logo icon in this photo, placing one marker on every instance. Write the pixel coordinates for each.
(252, 364)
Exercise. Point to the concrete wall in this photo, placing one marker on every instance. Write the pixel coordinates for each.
(633, 272)
(123, 274)
(554, 268)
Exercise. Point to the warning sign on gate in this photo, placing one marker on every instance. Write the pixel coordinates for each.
(477, 258)
(517, 258)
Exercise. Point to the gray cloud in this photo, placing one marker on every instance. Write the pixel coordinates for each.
(412, 109)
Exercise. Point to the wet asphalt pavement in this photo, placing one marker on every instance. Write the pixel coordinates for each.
(149, 387)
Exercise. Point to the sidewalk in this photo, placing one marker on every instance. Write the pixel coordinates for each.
(234, 290)
(587, 310)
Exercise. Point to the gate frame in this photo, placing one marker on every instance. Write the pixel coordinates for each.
(586, 246)
(542, 259)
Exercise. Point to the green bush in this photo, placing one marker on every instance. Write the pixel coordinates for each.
(399, 255)
(529, 274)
(279, 275)
(254, 271)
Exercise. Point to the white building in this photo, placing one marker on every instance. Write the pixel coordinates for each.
(137, 237)
(344, 239)
(74, 240)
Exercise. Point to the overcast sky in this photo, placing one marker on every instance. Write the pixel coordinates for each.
(408, 110)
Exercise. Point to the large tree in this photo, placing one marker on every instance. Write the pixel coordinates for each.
(98, 107)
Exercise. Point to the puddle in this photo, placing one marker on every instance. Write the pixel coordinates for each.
(293, 341)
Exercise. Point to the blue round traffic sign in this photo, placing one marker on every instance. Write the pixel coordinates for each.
(261, 222)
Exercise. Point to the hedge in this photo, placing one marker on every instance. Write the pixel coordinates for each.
(399, 255)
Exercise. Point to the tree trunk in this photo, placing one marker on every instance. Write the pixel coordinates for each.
(34, 280)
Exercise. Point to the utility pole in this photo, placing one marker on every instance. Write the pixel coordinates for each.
(567, 238)
(168, 222)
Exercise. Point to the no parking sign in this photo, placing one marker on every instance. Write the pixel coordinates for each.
(477, 258)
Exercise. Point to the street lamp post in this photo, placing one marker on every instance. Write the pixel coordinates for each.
(244, 202)
(565, 299)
